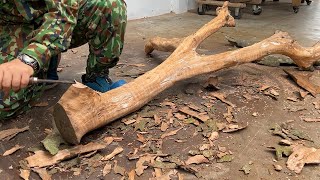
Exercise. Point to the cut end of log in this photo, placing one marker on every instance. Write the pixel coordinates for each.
(64, 125)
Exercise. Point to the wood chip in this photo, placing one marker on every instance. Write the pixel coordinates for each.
(303, 94)
(157, 172)
(311, 119)
(229, 116)
(302, 155)
(164, 126)
(118, 169)
(130, 122)
(180, 176)
(109, 140)
(171, 133)
(316, 105)
(131, 175)
(274, 92)
(157, 119)
(180, 116)
(44, 158)
(41, 104)
(212, 83)
(304, 81)
(24, 174)
(293, 99)
(12, 150)
(10, 133)
(107, 169)
(222, 98)
(277, 167)
(194, 114)
(214, 136)
(115, 152)
(264, 87)
(43, 173)
(198, 159)
(141, 138)
(234, 127)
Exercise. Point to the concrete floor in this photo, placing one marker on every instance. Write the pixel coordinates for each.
(248, 145)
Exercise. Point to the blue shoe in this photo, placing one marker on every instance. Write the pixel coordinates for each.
(52, 69)
(102, 84)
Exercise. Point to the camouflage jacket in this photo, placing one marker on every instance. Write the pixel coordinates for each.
(55, 20)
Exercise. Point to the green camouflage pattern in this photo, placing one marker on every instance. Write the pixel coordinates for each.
(44, 29)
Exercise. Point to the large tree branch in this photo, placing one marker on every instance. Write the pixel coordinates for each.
(81, 109)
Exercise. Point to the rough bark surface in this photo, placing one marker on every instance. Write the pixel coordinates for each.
(81, 109)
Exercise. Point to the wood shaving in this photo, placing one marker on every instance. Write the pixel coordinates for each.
(115, 152)
(12, 150)
(11, 133)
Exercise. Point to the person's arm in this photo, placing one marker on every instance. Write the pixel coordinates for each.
(54, 35)
(51, 38)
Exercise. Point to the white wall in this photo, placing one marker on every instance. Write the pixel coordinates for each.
(146, 8)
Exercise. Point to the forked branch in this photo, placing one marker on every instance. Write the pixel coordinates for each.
(81, 109)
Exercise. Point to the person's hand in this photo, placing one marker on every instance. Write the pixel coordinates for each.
(14, 75)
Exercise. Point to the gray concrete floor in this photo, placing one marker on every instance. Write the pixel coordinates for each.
(248, 145)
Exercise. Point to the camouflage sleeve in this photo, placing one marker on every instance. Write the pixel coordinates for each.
(54, 35)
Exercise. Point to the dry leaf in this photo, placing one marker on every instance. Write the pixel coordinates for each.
(164, 126)
(118, 169)
(197, 159)
(10, 133)
(234, 127)
(44, 158)
(139, 165)
(311, 119)
(195, 114)
(115, 152)
(24, 174)
(141, 138)
(12, 150)
(107, 169)
(222, 98)
(302, 155)
(166, 176)
(157, 119)
(43, 173)
(131, 175)
(171, 133)
(194, 107)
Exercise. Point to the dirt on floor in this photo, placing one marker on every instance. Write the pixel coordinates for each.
(258, 100)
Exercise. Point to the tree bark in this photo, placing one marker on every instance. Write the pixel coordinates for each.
(81, 110)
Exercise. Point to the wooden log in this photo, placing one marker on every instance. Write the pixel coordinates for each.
(81, 110)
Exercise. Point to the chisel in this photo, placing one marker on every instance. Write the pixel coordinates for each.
(35, 80)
